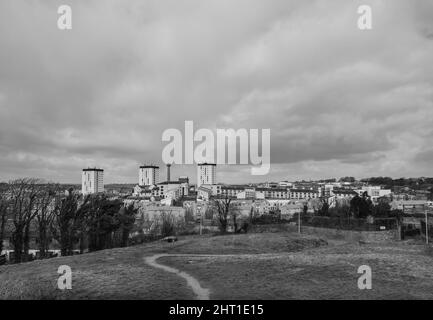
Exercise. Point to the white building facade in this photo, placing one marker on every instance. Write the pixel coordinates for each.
(206, 174)
(148, 175)
(374, 192)
(92, 181)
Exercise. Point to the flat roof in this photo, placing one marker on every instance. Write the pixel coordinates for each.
(93, 169)
(169, 182)
(271, 189)
(206, 164)
(233, 187)
(304, 190)
(148, 167)
(344, 191)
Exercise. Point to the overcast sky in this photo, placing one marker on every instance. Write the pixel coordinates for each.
(339, 101)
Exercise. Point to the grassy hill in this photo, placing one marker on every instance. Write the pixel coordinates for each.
(299, 267)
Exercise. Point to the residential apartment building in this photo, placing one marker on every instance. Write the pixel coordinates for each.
(343, 193)
(231, 191)
(305, 193)
(206, 191)
(171, 189)
(148, 175)
(374, 192)
(206, 174)
(92, 181)
(275, 193)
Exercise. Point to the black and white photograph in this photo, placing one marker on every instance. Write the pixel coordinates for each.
(236, 151)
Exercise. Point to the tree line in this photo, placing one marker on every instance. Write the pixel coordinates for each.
(29, 207)
(413, 183)
(359, 207)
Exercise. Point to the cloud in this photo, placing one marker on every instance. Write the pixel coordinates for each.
(337, 100)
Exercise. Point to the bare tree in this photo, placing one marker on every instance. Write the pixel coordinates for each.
(234, 212)
(23, 195)
(222, 207)
(189, 215)
(168, 227)
(126, 217)
(67, 221)
(3, 218)
(101, 219)
(45, 217)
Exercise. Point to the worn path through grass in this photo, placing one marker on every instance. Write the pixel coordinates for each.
(280, 265)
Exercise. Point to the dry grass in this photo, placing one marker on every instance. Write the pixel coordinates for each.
(247, 243)
(110, 274)
(399, 272)
(302, 267)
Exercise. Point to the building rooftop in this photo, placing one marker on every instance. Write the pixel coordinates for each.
(237, 187)
(304, 190)
(170, 182)
(271, 189)
(344, 191)
(149, 167)
(93, 169)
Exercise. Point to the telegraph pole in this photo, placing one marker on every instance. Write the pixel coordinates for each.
(201, 219)
(426, 226)
(299, 222)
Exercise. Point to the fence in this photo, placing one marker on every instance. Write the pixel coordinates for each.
(379, 224)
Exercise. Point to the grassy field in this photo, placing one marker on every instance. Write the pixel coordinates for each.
(300, 267)
(399, 272)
